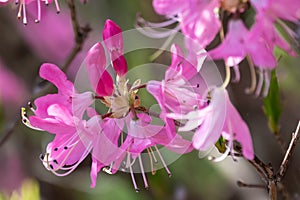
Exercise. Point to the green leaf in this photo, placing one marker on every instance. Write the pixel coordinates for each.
(272, 105)
(221, 145)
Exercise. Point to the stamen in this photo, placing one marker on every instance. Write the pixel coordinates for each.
(131, 174)
(46, 2)
(24, 14)
(160, 50)
(143, 173)
(108, 170)
(72, 168)
(26, 121)
(16, 2)
(251, 89)
(153, 155)
(31, 106)
(162, 160)
(152, 33)
(151, 162)
(57, 7)
(237, 73)
(222, 157)
(260, 83)
(142, 21)
(19, 11)
(39, 11)
(227, 78)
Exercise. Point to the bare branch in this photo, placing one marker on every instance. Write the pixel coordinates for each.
(242, 184)
(288, 154)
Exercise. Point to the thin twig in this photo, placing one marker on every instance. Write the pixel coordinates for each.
(288, 154)
(242, 184)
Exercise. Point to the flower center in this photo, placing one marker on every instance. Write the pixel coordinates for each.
(123, 98)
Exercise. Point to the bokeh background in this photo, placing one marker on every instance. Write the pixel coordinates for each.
(24, 48)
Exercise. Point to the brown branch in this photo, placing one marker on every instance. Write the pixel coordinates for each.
(242, 184)
(288, 154)
(274, 180)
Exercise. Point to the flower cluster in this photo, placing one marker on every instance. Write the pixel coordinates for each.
(117, 134)
(202, 20)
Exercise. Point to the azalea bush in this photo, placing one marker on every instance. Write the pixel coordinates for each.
(187, 99)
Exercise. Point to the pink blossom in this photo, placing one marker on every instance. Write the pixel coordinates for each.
(61, 114)
(123, 103)
(239, 42)
(218, 118)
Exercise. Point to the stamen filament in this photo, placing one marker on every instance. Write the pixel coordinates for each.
(151, 162)
(39, 11)
(162, 160)
(227, 78)
(24, 14)
(260, 83)
(57, 6)
(131, 174)
(153, 155)
(143, 172)
(252, 87)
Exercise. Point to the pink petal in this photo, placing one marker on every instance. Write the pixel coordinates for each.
(54, 74)
(201, 23)
(96, 167)
(105, 86)
(210, 130)
(169, 7)
(42, 104)
(119, 63)
(51, 125)
(232, 49)
(96, 64)
(112, 36)
(237, 129)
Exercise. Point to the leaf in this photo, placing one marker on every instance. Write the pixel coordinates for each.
(272, 105)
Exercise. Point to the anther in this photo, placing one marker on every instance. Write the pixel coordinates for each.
(65, 148)
(51, 166)
(55, 149)
(55, 161)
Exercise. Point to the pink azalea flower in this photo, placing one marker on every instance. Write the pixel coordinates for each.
(61, 114)
(239, 42)
(123, 102)
(218, 118)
